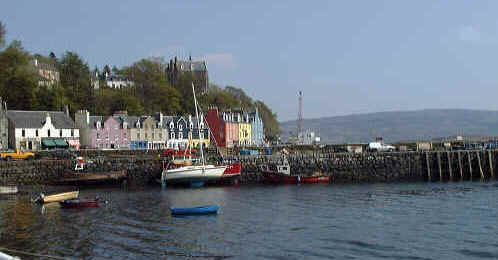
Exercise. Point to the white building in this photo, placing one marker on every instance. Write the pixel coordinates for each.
(38, 130)
(119, 82)
(308, 137)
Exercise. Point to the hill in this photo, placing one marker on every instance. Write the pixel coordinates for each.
(400, 125)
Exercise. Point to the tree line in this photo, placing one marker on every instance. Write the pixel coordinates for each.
(150, 93)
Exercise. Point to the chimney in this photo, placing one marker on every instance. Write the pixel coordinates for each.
(66, 110)
(48, 120)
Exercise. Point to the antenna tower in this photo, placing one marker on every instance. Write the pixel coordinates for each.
(300, 114)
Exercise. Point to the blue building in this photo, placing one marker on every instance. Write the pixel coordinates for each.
(257, 131)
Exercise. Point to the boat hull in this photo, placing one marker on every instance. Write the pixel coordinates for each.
(92, 178)
(203, 210)
(77, 203)
(60, 197)
(193, 174)
(315, 179)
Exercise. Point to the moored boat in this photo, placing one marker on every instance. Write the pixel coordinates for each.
(201, 210)
(282, 176)
(88, 178)
(181, 171)
(8, 189)
(58, 197)
(314, 179)
(79, 203)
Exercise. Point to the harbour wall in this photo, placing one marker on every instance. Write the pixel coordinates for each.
(342, 167)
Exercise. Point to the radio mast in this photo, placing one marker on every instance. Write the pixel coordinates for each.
(300, 115)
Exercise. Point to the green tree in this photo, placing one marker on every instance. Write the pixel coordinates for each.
(244, 101)
(271, 124)
(152, 88)
(18, 78)
(75, 78)
(2, 35)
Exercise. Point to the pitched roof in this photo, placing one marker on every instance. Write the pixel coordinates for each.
(36, 119)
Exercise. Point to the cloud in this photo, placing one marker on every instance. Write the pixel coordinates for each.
(223, 60)
(470, 33)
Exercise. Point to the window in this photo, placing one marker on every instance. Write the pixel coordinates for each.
(160, 136)
(72, 133)
(171, 125)
(180, 127)
(138, 135)
(146, 136)
(23, 133)
(153, 135)
(36, 132)
(60, 132)
(172, 135)
(98, 135)
(180, 135)
(48, 132)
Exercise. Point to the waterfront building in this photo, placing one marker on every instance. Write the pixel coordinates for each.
(224, 127)
(148, 133)
(177, 130)
(193, 132)
(257, 131)
(244, 129)
(198, 70)
(37, 130)
(99, 132)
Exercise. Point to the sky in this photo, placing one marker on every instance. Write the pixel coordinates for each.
(348, 57)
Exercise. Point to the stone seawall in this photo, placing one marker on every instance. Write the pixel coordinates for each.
(143, 167)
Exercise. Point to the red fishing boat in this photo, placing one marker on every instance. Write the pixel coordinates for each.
(79, 203)
(314, 179)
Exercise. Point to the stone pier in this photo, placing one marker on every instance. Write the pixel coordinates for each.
(143, 168)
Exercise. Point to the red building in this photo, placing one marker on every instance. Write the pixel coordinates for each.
(223, 127)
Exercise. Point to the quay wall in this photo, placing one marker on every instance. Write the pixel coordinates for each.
(342, 167)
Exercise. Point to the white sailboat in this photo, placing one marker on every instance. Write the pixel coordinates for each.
(195, 175)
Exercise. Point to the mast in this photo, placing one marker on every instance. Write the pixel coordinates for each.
(198, 125)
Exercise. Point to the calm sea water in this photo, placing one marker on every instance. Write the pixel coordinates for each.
(381, 221)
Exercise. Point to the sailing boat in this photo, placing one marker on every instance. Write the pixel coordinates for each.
(188, 174)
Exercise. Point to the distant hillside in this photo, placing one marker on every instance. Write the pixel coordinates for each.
(400, 125)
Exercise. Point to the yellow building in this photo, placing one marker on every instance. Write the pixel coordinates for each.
(244, 134)
(193, 132)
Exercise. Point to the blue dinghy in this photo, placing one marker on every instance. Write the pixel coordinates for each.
(202, 210)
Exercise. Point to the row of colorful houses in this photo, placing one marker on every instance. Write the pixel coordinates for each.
(41, 130)
(235, 128)
(121, 131)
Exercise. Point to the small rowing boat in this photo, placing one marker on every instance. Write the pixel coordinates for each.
(57, 197)
(79, 203)
(201, 210)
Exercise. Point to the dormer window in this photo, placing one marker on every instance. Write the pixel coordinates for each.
(180, 127)
(171, 125)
